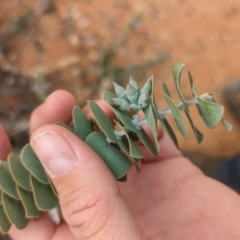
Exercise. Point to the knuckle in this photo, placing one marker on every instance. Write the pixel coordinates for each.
(86, 210)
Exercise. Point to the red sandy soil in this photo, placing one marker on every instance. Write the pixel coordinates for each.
(65, 45)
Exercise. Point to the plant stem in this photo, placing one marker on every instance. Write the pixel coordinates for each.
(181, 106)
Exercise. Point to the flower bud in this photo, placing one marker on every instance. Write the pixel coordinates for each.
(143, 100)
(132, 93)
(120, 91)
(147, 87)
(120, 103)
(133, 82)
(133, 109)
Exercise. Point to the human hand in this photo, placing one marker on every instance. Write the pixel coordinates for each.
(169, 199)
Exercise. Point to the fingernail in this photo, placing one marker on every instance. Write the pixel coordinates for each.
(54, 152)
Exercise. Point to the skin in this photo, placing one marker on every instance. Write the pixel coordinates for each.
(169, 199)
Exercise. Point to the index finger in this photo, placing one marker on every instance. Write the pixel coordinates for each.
(57, 108)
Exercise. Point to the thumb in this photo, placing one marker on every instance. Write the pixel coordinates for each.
(88, 193)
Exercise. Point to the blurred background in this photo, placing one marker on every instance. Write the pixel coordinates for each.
(82, 46)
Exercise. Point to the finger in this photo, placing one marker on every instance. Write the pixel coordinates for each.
(5, 145)
(104, 106)
(57, 108)
(89, 196)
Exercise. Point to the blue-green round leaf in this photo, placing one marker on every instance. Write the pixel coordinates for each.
(165, 89)
(131, 147)
(6, 181)
(146, 140)
(103, 121)
(44, 196)
(162, 118)
(82, 125)
(148, 111)
(117, 162)
(28, 202)
(197, 133)
(177, 116)
(15, 211)
(5, 224)
(228, 126)
(33, 165)
(176, 71)
(212, 113)
(19, 172)
(1, 193)
(192, 84)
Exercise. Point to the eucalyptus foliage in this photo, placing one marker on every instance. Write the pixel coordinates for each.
(25, 188)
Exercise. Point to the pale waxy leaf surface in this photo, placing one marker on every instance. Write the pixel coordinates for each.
(103, 121)
(6, 181)
(33, 165)
(150, 116)
(5, 224)
(133, 82)
(19, 173)
(43, 194)
(146, 140)
(1, 193)
(132, 93)
(28, 202)
(15, 211)
(123, 117)
(177, 117)
(177, 70)
(210, 111)
(192, 84)
(197, 133)
(119, 90)
(82, 125)
(133, 150)
(228, 126)
(165, 89)
(148, 111)
(169, 130)
(147, 87)
(117, 162)
(162, 119)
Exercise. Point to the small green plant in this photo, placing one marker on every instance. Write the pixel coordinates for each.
(25, 188)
